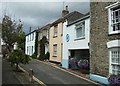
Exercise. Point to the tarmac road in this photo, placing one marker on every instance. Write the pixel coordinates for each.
(8, 75)
(53, 76)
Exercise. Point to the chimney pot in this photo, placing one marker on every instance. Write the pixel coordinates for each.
(64, 12)
(66, 8)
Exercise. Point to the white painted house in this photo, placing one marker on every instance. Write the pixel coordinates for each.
(76, 40)
(30, 43)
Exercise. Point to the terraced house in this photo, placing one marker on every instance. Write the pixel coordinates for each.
(104, 40)
(76, 42)
(43, 32)
(30, 43)
(56, 34)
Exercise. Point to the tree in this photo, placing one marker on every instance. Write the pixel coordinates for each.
(43, 41)
(21, 41)
(12, 33)
(18, 56)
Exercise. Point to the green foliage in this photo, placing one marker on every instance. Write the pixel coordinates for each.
(36, 45)
(18, 56)
(43, 41)
(47, 55)
(21, 41)
(34, 56)
(10, 32)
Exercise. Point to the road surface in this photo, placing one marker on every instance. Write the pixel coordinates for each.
(51, 75)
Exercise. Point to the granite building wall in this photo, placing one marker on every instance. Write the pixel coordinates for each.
(99, 54)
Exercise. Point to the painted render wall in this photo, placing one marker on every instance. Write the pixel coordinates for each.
(57, 40)
(30, 44)
(74, 44)
(0, 38)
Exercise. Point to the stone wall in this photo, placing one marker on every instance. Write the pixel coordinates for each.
(99, 55)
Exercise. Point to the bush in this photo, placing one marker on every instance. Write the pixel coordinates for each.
(47, 55)
(83, 64)
(34, 56)
(73, 63)
(114, 80)
(18, 56)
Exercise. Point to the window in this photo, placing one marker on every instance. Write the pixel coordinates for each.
(55, 30)
(55, 50)
(32, 50)
(27, 50)
(32, 36)
(115, 60)
(27, 38)
(80, 30)
(114, 19)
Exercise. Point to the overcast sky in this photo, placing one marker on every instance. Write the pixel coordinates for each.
(38, 14)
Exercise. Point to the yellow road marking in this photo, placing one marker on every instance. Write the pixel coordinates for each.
(34, 78)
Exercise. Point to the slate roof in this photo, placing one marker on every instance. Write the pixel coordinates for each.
(72, 16)
(44, 27)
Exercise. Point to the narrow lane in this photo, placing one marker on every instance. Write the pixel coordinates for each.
(51, 75)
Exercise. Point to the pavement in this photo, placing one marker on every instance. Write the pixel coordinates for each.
(54, 75)
(8, 76)
(13, 78)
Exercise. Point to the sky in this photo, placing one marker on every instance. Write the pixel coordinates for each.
(38, 14)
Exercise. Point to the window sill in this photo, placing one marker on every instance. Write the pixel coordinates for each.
(80, 38)
(54, 56)
(114, 32)
(54, 36)
(115, 64)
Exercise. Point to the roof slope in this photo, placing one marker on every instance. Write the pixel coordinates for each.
(72, 16)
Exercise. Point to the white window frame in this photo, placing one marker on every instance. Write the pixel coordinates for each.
(113, 52)
(55, 30)
(110, 18)
(55, 50)
(32, 36)
(113, 46)
(78, 26)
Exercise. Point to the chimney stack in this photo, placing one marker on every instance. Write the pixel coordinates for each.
(64, 12)
(30, 29)
(66, 8)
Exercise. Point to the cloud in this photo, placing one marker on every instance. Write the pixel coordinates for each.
(37, 14)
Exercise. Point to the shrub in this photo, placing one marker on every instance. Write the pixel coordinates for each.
(47, 55)
(34, 56)
(83, 64)
(18, 56)
(114, 80)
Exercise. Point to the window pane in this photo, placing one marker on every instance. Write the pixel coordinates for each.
(80, 30)
(115, 60)
(55, 30)
(116, 18)
(55, 50)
